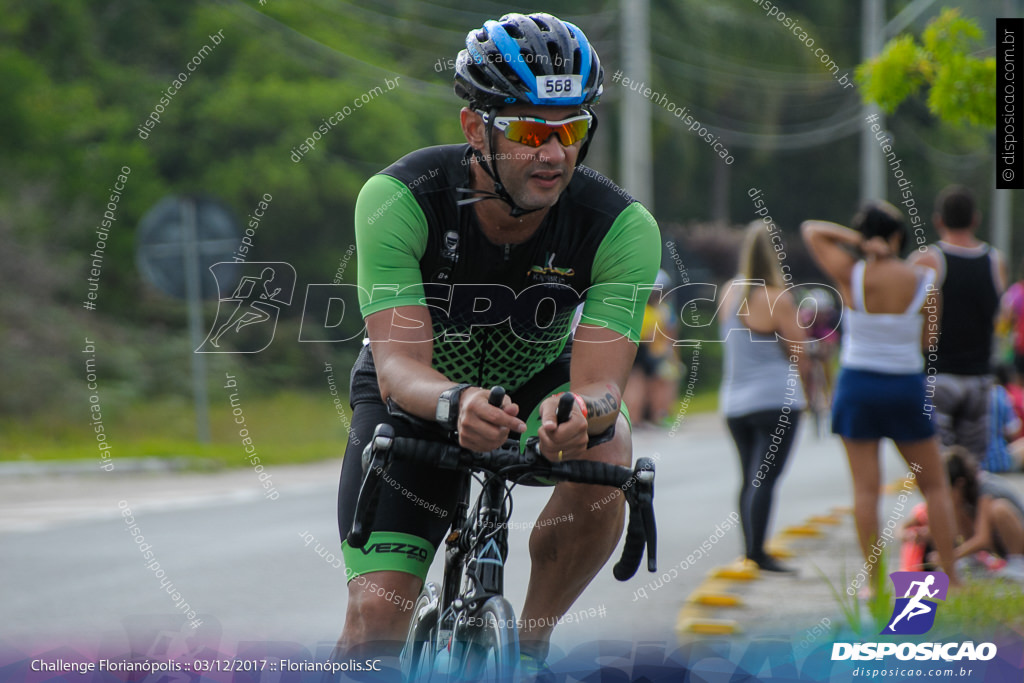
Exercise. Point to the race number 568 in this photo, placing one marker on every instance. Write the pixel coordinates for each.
(550, 87)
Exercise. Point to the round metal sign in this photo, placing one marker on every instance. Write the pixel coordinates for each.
(176, 227)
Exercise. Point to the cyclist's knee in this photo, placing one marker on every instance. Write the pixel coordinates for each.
(372, 632)
(618, 451)
(384, 597)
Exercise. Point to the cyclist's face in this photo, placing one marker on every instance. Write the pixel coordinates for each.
(535, 176)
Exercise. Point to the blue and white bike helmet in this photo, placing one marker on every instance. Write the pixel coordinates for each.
(508, 62)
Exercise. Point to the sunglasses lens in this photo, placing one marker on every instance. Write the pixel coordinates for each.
(570, 133)
(536, 133)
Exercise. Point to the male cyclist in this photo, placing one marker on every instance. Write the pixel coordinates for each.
(473, 259)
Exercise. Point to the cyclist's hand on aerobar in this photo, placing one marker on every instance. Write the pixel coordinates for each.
(561, 441)
(483, 427)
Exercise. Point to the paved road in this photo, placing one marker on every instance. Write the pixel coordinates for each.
(72, 571)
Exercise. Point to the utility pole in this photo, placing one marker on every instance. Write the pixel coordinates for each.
(1002, 200)
(635, 139)
(872, 168)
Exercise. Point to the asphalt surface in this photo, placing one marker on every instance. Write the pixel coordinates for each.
(73, 573)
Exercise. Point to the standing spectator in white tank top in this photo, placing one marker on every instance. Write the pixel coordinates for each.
(881, 388)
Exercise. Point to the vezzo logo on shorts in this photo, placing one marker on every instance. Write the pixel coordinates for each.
(913, 614)
(411, 551)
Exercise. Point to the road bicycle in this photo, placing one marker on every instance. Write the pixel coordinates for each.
(465, 629)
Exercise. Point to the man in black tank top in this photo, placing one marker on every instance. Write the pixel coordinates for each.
(971, 278)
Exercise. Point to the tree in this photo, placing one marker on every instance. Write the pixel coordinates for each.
(962, 86)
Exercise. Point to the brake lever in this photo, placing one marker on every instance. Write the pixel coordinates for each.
(369, 493)
(644, 472)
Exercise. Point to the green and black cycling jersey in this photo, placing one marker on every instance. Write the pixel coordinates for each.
(500, 312)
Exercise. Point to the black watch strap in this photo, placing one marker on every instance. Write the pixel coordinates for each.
(449, 419)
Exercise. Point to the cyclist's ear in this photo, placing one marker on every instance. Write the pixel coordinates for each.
(474, 129)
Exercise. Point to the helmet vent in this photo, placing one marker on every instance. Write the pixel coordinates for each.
(577, 61)
(481, 36)
(534, 63)
(514, 79)
(478, 75)
(554, 58)
(540, 24)
(513, 31)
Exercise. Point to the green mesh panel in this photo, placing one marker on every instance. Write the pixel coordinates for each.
(496, 355)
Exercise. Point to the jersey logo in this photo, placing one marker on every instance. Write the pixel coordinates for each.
(549, 272)
(449, 255)
(450, 251)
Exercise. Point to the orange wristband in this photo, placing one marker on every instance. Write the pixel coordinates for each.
(581, 404)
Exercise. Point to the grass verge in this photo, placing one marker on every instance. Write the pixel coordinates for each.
(286, 428)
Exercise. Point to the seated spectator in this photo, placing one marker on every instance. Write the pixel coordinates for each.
(1004, 425)
(990, 523)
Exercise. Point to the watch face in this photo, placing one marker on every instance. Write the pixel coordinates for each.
(444, 409)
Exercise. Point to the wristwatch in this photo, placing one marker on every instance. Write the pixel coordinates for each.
(447, 414)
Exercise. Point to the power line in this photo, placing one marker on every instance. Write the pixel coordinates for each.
(459, 36)
(264, 21)
(758, 78)
(953, 162)
(834, 128)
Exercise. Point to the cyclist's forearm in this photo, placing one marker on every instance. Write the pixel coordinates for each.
(413, 385)
(603, 403)
(402, 353)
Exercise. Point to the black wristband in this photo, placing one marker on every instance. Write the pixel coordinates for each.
(448, 404)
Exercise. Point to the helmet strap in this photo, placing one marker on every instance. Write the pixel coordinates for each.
(590, 136)
(499, 189)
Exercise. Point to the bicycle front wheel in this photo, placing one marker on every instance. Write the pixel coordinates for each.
(417, 658)
(488, 642)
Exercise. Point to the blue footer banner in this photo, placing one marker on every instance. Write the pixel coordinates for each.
(163, 655)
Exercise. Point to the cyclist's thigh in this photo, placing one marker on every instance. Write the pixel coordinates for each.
(415, 503)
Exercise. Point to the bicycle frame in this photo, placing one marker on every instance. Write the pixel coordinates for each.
(470, 581)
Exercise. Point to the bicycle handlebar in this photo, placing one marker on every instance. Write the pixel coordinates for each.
(637, 484)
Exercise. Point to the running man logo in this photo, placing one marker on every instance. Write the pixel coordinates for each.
(262, 290)
(914, 613)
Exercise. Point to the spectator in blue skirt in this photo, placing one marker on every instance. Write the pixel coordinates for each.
(881, 388)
